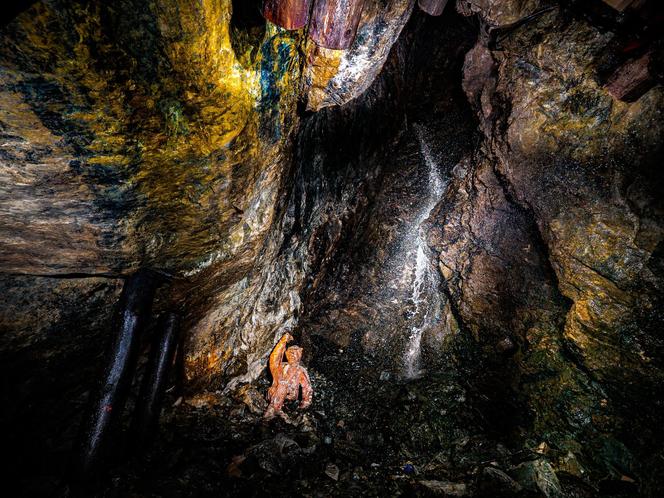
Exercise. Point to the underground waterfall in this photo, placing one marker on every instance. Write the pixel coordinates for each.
(332, 248)
(425, 290)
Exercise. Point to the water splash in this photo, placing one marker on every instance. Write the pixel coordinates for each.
(424, 293)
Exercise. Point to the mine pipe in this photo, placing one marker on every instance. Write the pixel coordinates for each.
(106, 407)
(334, 23)
(151, 395)
(432, 7)
(288, 14)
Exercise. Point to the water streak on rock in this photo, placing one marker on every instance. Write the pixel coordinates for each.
(424, 294)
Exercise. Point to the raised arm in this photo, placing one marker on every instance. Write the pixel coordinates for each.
(277, 355)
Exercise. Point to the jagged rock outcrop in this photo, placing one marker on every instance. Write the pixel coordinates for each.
(500, 12)
(334, 77)
(568, 184)
(160, 136)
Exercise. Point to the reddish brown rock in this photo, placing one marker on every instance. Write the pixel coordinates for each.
(631, 80)
(621, 5)
(289, 14)
(335, 77)
(334, 23)
(432, 7)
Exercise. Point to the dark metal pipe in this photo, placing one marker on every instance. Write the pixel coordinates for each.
(334, 23)
(106, 407)
(432, 7)
(151, 396)
(289, 14)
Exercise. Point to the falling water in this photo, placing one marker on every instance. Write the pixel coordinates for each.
(424, 280)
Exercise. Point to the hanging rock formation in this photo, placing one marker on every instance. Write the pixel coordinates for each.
(289, 14)
(432, 7)
(334, 23)
(335, 77)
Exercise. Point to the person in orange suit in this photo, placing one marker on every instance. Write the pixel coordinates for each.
(287, 378)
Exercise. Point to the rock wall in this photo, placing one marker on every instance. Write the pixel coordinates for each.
(150, 135)
(549, 239)
(160, 137)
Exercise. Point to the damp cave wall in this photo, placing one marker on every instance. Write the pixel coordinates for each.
(356, 180)
(333, 192)
(369, 152)
(546, 238)
(560, 169)
(46, 359)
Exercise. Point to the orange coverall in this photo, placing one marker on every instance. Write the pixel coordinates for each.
(287, 378)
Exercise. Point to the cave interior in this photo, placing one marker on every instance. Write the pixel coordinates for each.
(453, 207)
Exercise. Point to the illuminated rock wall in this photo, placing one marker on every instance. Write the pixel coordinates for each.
(161, 136)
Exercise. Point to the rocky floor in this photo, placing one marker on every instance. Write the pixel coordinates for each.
(365, 435)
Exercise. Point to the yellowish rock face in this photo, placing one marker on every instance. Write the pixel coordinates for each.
(185, 120)
(157, 135)
(167, 108)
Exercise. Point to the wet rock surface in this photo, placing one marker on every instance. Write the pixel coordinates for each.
(570, 158)
(335, 77)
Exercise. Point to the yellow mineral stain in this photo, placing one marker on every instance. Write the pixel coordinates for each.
(179, 138)
(322, 66)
